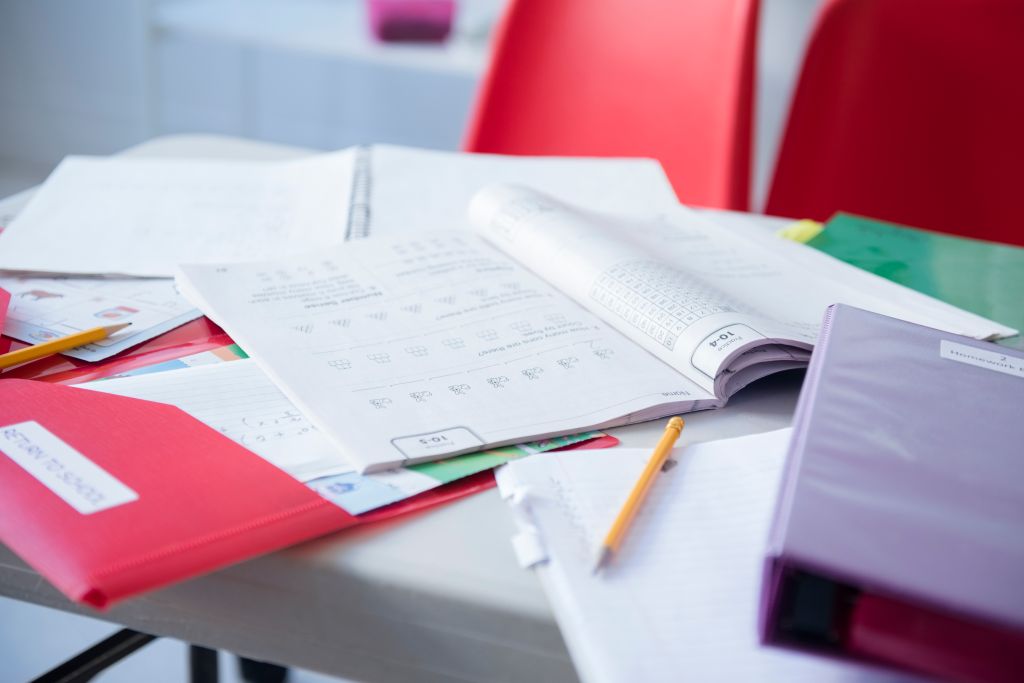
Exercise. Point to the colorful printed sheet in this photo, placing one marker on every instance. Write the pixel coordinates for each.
(42, 309)
(357, 493)
(223, 354)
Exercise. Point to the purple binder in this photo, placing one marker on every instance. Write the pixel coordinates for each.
(899, 531)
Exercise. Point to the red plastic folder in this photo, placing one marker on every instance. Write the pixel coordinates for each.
(5, 300)
(108, 496)
(192, 337)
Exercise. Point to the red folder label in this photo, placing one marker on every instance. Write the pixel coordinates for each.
(78, 481)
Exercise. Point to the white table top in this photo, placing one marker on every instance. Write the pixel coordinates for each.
(433, 597)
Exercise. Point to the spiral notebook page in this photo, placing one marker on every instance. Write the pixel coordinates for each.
(680, 602)
(142, 217)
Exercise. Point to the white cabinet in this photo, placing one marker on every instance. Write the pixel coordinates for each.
(308, 72)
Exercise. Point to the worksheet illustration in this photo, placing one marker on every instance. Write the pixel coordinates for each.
(42, 309)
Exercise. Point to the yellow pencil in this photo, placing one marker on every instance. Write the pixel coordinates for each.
(57, 345)
(612, 541)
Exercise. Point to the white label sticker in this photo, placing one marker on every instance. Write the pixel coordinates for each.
(79, 482)
(716, 346)
(444, 441)
(982, 358)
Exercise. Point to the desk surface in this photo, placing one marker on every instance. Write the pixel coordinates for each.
(435, 597)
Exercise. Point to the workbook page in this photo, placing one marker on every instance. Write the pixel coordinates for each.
(686, 320)
(706, 300)
(126, 216)
(404, 350)
(680, 600)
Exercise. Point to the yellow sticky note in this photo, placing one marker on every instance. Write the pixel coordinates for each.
(801, 231)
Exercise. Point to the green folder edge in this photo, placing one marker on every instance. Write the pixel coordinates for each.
(985, 278)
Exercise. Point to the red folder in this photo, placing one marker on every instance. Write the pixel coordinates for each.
(201, 501)
(198, 335)
(5, 300)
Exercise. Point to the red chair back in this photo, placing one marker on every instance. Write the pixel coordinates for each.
(670, 80)
(910, 111)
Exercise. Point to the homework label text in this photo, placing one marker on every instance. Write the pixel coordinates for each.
(980, 358)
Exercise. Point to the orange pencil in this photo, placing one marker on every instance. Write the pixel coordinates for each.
(57, 345)
(613, 539)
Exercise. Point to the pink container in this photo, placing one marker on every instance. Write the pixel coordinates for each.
(411, 20)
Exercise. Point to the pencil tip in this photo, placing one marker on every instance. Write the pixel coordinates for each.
(111, 329)
(602, 559)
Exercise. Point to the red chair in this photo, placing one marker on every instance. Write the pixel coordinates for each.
(910, 111)
(668, 79)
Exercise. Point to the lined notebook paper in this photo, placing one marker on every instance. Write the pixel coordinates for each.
(238, 400)
(680, 601)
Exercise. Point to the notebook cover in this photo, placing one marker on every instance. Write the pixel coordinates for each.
(982, 277)
(905, 476)
(5, 300)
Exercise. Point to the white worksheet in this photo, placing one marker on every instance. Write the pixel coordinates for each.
(42, 309)
(127, 216)
(409, 349)
(680, 601)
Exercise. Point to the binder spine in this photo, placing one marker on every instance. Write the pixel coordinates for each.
(774, 568)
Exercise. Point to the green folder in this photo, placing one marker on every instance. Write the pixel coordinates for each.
(981, 277)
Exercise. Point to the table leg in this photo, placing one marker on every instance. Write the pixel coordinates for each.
(261, 672)
(88, 663)
(202, 664)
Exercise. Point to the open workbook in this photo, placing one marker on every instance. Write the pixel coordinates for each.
(544, 319)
